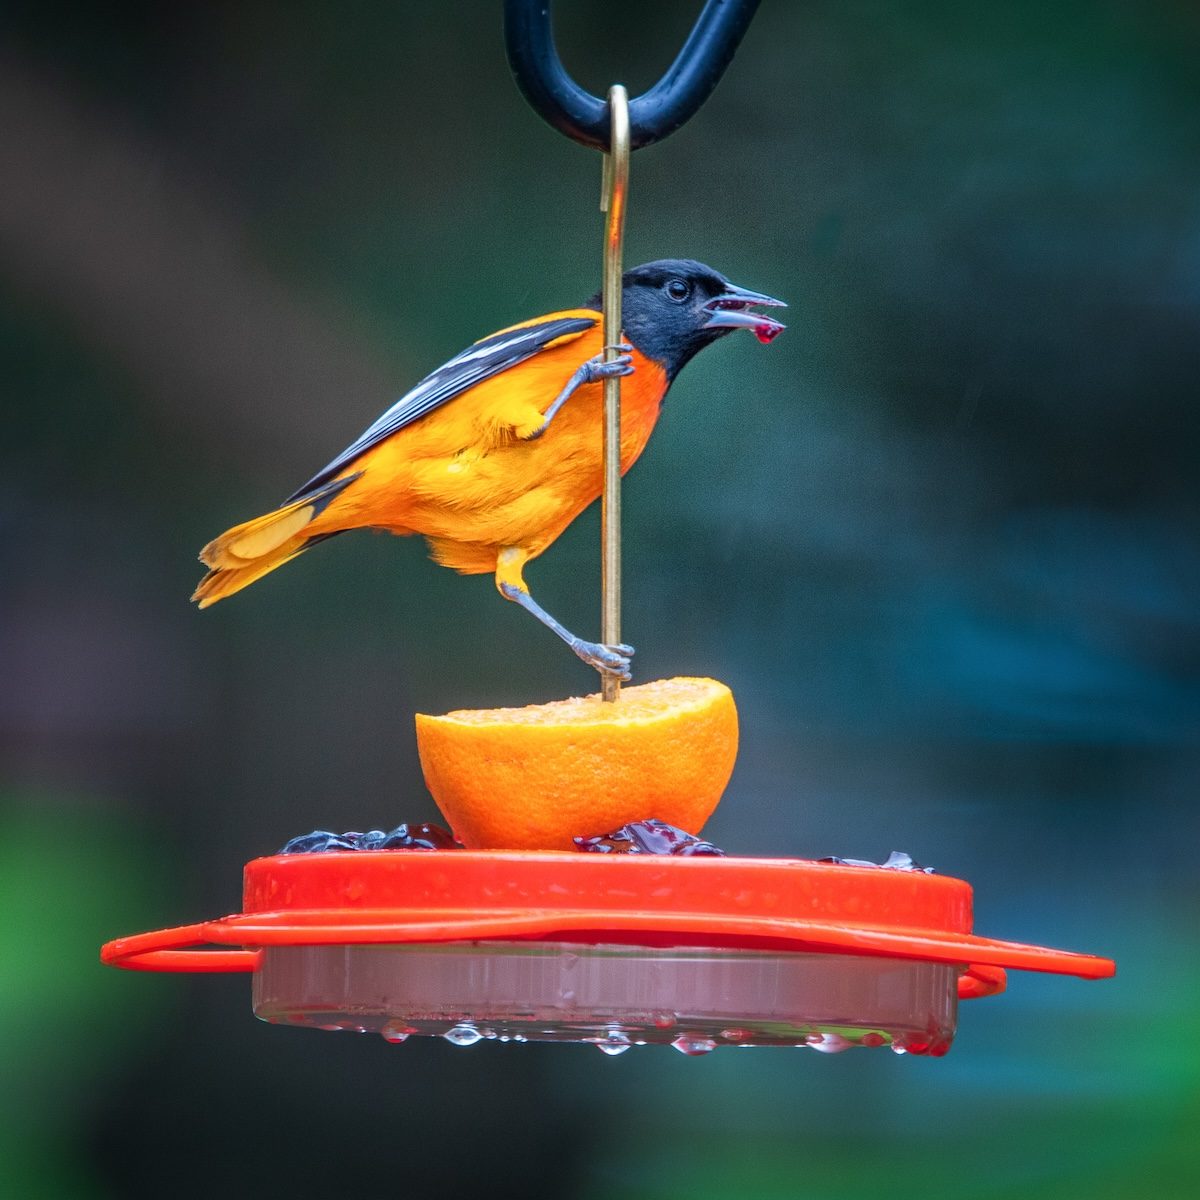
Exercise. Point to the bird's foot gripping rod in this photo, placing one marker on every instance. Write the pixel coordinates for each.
(592, 371)
(612, 661)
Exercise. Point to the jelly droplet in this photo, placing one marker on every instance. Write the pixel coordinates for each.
(648, 837)
(828, 1043)
(463, 1035)
(693, 1045)
(615, 1042)
(397, 1032)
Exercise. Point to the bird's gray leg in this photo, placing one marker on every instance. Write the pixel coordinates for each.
(608, 660)
(589, 372)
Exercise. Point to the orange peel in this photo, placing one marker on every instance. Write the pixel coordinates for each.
(534, 778)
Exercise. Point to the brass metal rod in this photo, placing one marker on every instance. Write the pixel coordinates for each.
(616, 185)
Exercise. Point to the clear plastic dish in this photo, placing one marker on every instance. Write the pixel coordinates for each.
(612, 996)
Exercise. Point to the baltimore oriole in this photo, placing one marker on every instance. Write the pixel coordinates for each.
(494, 454)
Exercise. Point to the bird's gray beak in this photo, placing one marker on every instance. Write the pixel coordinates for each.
(731, 310)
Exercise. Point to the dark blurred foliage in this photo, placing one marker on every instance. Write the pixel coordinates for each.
(945, 552)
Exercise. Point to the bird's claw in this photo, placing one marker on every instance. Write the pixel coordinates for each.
(598, 369)
(613, 660)
(592, 371)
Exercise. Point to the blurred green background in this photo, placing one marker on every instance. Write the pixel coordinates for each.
(941, 540)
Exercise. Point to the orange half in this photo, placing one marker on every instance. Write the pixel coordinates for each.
(534, 778)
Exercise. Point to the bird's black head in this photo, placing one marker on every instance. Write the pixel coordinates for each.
(671, 309)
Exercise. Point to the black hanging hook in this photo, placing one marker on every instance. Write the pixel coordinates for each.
(653, 115)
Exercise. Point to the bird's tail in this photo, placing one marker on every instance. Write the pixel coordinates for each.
(253, 549)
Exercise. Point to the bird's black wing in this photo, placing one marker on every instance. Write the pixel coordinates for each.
(475, 364)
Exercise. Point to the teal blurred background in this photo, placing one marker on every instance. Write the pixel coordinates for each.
(940, 538)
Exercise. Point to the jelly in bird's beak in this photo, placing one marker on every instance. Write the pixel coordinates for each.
(731, 310)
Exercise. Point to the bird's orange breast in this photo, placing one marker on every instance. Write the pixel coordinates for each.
(465, 477)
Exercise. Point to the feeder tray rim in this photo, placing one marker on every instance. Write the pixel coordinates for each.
(411, 897)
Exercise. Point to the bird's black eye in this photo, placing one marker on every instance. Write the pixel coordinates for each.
(679, 289)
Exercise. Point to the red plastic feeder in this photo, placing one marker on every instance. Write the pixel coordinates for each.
(613, 950)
